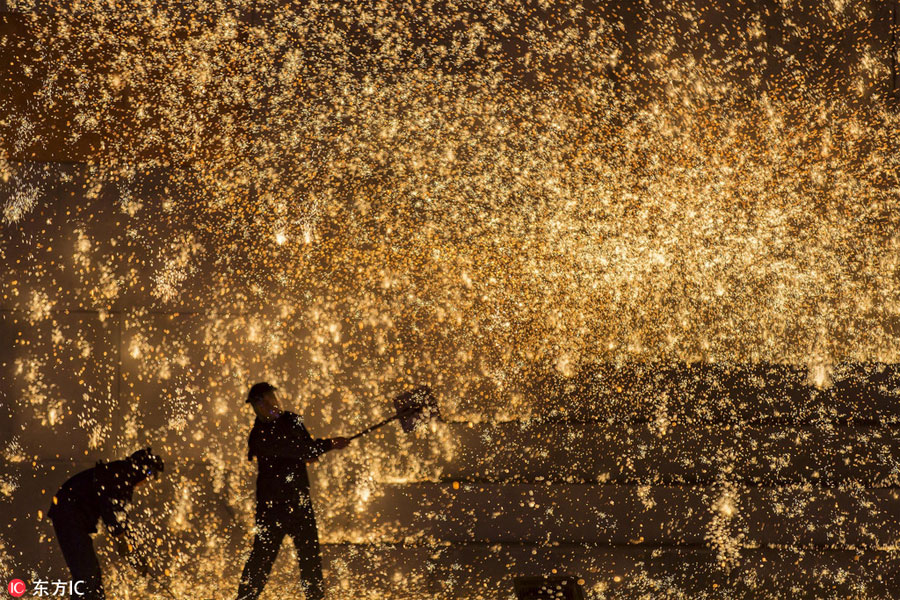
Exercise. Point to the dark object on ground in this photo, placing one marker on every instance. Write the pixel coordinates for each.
(557, 587)
(414, 408)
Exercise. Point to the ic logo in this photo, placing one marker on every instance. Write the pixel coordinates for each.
(17, 588)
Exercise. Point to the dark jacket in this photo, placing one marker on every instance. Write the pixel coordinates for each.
(282, 448)
(97, 493)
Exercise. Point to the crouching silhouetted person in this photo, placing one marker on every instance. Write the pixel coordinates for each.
(101, 492)
(283, 446)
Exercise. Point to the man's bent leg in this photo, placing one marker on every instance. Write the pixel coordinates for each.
(306, 541)
(269, 534)
(78, 550)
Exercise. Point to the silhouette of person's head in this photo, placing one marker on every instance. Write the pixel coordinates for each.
(264, 401)
(149, 464)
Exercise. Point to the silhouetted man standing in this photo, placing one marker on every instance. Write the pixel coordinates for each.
(101, 492)
(282, 447)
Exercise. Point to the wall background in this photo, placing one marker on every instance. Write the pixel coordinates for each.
(646, 252)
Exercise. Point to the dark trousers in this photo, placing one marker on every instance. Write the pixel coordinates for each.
(272, 524)
(78, 550)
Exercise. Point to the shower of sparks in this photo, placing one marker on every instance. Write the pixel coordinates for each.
(350, 198)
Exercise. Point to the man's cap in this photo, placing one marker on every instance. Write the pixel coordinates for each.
(257, 390)
(146, 461)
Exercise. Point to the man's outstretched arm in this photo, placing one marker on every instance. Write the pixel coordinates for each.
(298, 443)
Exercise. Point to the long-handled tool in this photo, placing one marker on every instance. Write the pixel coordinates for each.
(143, 568)
(165, 587)
(414, 408)
(159, 583)
(155, 579)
